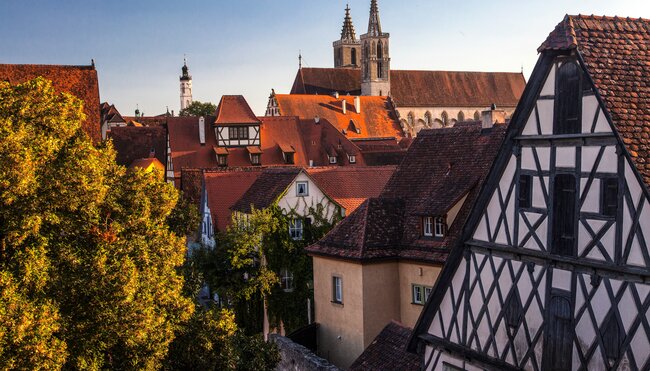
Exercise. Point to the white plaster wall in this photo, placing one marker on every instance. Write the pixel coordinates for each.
(301, 204)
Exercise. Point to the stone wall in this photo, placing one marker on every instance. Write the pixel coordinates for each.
(297, 357)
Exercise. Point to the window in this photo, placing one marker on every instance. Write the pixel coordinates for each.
(427, 226)
(354, 56)
(302, 189)
(568, 99)
(411, 119)
(332, 159)
(295, 229)
(609, 196)
(286, 280)
(428, 120)
(477, 116)
(461, 116)
(613, 335)
(352, 159)
(564, 215)
(525, 190)
(337, 290)
(439, 227)
(420, 294)
(288, 157)
(559, 337)
(222, 160)
(445, 119)
(238, 132)
(255, 159)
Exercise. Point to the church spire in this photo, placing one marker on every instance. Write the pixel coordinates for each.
(374, 25)
(347, 33)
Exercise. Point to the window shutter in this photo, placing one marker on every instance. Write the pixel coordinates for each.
(609, 196)
(559, 342)
(568, 100)
(564, 218)
(525, 190)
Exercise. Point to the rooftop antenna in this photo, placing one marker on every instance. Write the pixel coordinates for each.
(299, 59)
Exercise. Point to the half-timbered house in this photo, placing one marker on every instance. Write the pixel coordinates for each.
(554, 272)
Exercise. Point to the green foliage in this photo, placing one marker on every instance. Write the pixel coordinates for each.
(88, 263)
(211, 341)
(197, 108)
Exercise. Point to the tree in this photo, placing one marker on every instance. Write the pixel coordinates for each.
(197, 108)
(88, 263)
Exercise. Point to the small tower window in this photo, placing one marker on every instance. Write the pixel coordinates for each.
(353, 54)
(445, 119)
(461, 116)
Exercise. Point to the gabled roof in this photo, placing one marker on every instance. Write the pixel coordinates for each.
(388, 351)
(224, 188)
(266, 189)
(132, 143)
(148, 164)
(616, 54)
(322, 139)
(350, 186)
(376, 119)
(440, 168)
(420, 88)
(110, 114)
(233, 109)
(80, 81)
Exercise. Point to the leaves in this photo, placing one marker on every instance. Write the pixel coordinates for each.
(197, 108)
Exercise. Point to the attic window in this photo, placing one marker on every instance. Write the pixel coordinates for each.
(352, 159)
(238, 132)
(255, 159)
(222, 160)
(302, 189)
(433, 226)
(333, 159)
(568, 99)
(288, 157)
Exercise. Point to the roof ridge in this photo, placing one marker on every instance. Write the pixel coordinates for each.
(607, 17)
(81, 66)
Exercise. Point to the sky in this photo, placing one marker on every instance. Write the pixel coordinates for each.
(249, 47)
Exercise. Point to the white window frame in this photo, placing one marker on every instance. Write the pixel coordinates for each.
(420, 293)
(305, 192)
(427, 226)
(439, 227)
(333, 159)
(286, 280)
(337, 290)
(352, 159)
(296, 229)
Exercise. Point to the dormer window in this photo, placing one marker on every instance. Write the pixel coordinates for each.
(433, 226)
(288, 158)
(255, 154)
(255, 159)
(332, 159)
(287, 153)
(352, 159)
(222, 155)
(302, 189)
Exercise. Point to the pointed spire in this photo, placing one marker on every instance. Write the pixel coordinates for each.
(347, 33)
(374, 25)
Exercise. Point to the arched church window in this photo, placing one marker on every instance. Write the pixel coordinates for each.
(411, 118)
(366, 57)
(354, 56)
(380, 49)
(444, 117)
(461, 116)
(477, 116)
(428, 119)
(380, 69)
(374, 48)
(568, 97)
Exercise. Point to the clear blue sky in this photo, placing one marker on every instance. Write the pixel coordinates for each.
(250, 46)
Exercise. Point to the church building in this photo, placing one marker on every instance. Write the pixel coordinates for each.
(422, 99)
(553, 270)
(186, 86)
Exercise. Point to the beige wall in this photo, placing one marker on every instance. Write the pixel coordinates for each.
(436, 114)
(381, 292)
(336, 320)
(418, 274)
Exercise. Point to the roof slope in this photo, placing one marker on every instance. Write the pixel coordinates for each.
(388, 351)
(233, 109)
(421, 88)
(350, 186)
(266, 189)
(441, 167)
(376, 118)
(80, 81)
(616, 52)
(132, 143)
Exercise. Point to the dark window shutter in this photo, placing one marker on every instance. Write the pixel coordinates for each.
(559, 341)
(568, 100)
(307, 229)
(513, 311)
(612, 335)
(525, 190)
(609, 196)
(564, 215)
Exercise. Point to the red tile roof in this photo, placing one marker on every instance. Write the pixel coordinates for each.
(224, 188)
(322, 139)
(421, 88)
(275, 132)
(233, 109)
(110, 113)
(441, 166)
(146, 163)
(388, 351)
(80, 81)
(616, 52)
(268, 187)
(376, 119)
(132, 143)
(350, 186)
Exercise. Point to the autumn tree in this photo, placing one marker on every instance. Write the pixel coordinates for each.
(88, 263)
(197, 108)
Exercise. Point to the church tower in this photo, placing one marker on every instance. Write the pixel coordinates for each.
(375, 57)
(347, 50)
(186, 87)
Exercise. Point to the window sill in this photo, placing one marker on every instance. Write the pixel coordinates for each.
(337, 303)
(420, 304)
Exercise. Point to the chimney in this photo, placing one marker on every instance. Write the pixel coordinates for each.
(317, 120)
(357, 104)
(493, 116)
(311, 163)
(202, 130)
(344, 106)
(336, 94)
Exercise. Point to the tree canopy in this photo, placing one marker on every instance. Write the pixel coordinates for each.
(197, 108)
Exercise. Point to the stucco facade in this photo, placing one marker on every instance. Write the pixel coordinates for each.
(301, 205)
(414, 119)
